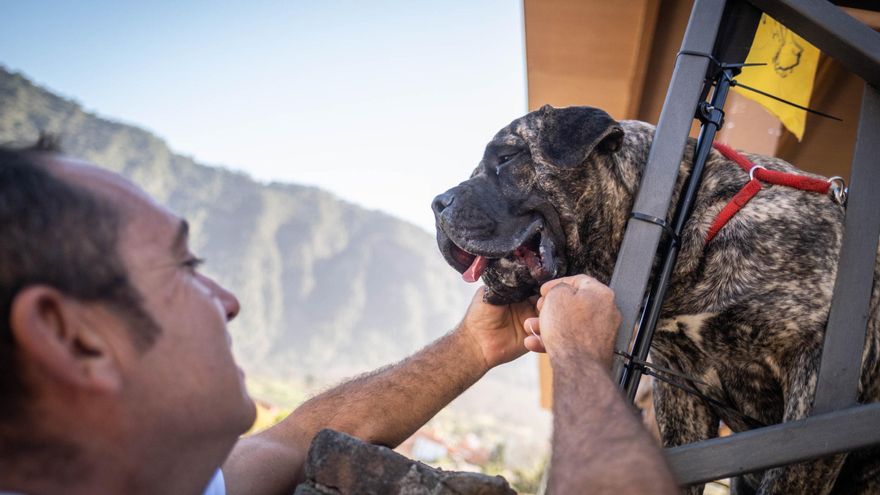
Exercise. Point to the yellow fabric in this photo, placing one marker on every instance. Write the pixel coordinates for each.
(789, 73)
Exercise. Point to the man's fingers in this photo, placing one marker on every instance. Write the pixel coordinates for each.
(532, 326)
(575, 281)
(582, 281)
(534, 344)
(533, 340)
(545, 288)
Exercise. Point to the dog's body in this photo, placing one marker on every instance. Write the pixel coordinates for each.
(744, 313)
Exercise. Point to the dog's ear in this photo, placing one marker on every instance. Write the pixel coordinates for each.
(569, 135)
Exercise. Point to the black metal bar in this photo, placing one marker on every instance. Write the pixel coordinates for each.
(639, 246)
(778, 445)
(838, 382)
(645, 334)
(737, 31)
(831, 30)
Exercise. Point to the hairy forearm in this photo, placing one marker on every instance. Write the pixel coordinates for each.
(599, 445)
(388, 405)
(383, 407)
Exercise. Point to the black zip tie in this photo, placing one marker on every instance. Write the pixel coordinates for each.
(651, 369)
(699, 54)
(716, 62)
(768, 95)
(645, 365)
(656, 221)
(721, 65)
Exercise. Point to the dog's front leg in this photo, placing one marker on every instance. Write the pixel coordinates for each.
(814, 477)
(683, 419)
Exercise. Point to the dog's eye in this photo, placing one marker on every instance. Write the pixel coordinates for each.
(502, 159)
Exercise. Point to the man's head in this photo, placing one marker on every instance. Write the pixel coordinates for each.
(104, 315)
(60, 236)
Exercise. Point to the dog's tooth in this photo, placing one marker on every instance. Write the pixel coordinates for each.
(545, 252)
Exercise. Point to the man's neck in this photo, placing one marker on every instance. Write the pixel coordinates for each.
(119, 468)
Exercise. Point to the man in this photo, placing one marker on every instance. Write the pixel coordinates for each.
(116, 374)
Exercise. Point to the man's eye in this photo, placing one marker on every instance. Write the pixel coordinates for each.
(193, 263)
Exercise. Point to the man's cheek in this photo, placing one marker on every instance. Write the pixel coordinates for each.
(173, 290)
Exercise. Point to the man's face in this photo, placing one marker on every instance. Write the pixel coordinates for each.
(187, 382)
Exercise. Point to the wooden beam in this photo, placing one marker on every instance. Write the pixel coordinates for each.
(588, 52)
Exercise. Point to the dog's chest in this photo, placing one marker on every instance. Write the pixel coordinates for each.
(722, 365)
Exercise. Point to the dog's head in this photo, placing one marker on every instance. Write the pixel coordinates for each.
(517, 222)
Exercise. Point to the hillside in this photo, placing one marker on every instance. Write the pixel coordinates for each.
(322, 282)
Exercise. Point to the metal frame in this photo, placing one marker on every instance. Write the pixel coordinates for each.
(736, 32)
(838, 423)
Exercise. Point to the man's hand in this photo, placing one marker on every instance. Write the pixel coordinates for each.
(497, 332)
(599, 444)
(577, 317)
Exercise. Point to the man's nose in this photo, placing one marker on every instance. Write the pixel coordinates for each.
(231, 304)
(227, 299)
(442, 201)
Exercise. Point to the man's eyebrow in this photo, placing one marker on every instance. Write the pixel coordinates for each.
(181, 238)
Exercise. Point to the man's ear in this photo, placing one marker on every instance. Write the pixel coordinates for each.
(55, 336)
(569, 135)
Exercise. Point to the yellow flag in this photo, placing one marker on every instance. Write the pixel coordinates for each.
(789, 73)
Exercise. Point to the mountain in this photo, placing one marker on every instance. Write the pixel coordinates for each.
(326, 286)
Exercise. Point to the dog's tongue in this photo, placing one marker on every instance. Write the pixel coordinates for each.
(478, 266)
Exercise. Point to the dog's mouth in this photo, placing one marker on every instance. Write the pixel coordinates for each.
(511, 274)
(536, 257)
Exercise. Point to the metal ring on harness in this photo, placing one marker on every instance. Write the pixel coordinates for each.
(752, 171)
(839, 190)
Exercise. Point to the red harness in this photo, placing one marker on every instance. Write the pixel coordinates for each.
(757, 173)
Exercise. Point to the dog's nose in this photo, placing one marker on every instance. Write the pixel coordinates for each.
(442, 201)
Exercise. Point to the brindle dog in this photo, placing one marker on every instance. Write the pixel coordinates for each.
(745, 313)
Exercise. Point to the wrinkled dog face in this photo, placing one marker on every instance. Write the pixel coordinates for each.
(514, 222)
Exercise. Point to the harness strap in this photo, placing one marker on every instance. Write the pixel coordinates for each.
(757, 174)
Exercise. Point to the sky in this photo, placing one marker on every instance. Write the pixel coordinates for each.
(383, 103)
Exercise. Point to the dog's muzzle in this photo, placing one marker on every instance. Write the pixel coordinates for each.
(514, 254)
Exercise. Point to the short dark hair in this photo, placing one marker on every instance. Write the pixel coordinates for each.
(64, 236)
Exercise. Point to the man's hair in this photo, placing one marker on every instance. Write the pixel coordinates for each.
(61, 235)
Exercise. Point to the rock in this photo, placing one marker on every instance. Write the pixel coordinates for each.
(338, 464)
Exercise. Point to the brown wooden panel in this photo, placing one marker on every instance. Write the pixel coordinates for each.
(749, 126)
(868, 17)
(827, 147)
(588, 52)
(672, 20)
(545, 375)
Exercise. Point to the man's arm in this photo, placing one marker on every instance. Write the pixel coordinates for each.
(599, 445)
(386, 406)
